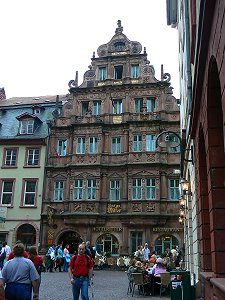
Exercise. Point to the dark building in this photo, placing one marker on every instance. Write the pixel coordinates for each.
(106, 181)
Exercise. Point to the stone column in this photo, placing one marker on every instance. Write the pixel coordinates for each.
(163, 186)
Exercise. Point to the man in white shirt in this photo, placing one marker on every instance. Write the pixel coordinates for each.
(7, 250)
(146, 252)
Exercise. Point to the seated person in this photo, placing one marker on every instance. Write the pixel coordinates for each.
(157, 269)
(152, 259)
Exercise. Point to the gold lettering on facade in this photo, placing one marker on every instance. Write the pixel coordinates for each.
(161, 229)
(108, 229)
(117, 119)
(120, 53)
(113, 208)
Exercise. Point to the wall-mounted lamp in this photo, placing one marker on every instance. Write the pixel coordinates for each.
(182, 202)
(181, 219)
(185, 187)
(172, 139)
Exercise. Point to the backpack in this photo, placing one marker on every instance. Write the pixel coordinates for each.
(74, 260)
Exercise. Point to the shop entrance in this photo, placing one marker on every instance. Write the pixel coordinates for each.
(71, 238)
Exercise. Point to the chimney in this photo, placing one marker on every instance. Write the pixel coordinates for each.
(2, 94)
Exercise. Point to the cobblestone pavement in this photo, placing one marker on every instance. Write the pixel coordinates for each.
(108, 285)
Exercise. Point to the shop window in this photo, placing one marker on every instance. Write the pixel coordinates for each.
(165, 243)
(107, 244)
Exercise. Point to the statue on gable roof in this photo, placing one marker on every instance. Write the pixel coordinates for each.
(119, 29)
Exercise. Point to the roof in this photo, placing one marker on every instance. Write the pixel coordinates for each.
(14, 101)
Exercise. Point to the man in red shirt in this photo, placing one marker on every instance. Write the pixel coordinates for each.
(80, 271)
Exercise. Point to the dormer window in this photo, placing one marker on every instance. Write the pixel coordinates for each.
(27, 126)
(119, 46)
(118, 72)
(37, 110)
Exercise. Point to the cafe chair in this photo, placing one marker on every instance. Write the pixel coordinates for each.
(139, 282)
(164, 283)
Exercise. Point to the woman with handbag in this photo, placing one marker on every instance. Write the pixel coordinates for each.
(37, 261)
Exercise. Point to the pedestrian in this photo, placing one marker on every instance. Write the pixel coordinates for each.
(18, 274)
(11, 254)
(80, 272)
(50, 258)
(59, 258)
(146, 252)
(66, 258)
(2, 256)
(37, 261)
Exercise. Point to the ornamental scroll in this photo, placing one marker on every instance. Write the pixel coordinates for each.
(113, 208)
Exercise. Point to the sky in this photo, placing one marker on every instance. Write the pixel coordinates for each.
(44, 42)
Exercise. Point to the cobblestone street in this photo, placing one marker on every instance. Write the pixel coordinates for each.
(108, 285)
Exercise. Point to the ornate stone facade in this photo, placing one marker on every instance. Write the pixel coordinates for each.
(109, 173)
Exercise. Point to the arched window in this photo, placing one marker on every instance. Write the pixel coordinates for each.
(26, 233)
(165, 242)
(108, 244)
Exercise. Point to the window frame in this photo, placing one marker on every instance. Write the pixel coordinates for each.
(4, 165)
(77, 189)
(25, 129)
(91, 189)
(138, 143)
(152, 189)
(136, 189)
(101, 73)
(27, 157)
(135, 71)
(151, 143)
(174, 190)
(114, 190)
(97, 111)
(81, 145)
(138, 105)
(62, 149)
(118, 72)
(60, 191)
(2, 181)
(117, 145)
(150, 104)
(25, 181)
(95, 145)
(117, 106)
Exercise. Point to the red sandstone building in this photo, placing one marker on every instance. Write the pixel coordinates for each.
(106, 181)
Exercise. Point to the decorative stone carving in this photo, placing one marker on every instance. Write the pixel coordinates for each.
(136, 207)
(90, 207)
(113, 208)
(150, 207)
(77, 207)
(51, 232)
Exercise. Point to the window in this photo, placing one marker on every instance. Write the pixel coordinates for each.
(37, 110)
(58, 190)
(114, 190)
(96, 110)
(118, 72)
(119, 46)
(151, 142)
(10, 157)
(78, 189)
(61, 147)
(91, 189)
(26, 126)
(30, 192)
(80, 148)
(108, 244)
(135, 240)
(174, 191)
(116, 145)
(138, 105)
(84, 108)
(151, 104)
(165, 242)
(93, 145)
(150, 189)
(33, 156)
(137, 189)
(117, 106)
(134, 71)
(101, 73)
(137, 143)
(7, 192)
(174, 138)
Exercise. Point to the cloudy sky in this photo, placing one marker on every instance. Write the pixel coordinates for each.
(44, 42)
